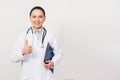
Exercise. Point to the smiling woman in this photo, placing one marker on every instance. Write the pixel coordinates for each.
(36, 64)
(37, 17)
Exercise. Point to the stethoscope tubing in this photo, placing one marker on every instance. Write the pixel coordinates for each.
(43, 35)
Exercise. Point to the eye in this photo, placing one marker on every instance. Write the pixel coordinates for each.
(40, 16)
(33, 16)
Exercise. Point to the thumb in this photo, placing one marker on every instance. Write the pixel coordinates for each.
(26, 42)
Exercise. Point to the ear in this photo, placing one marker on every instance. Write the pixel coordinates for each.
(45, 18)
(30, 18)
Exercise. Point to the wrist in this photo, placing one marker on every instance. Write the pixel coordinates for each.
(52, 63)
(23, 53)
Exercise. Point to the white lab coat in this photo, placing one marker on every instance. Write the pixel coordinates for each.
(32, 64)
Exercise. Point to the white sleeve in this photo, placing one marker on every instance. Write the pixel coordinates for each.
(57, 50)
(17, 50)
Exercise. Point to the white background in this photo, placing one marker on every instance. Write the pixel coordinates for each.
(88, 31)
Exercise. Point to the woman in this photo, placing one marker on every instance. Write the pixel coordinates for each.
(34, 46)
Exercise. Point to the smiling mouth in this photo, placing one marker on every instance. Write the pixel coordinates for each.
(36, 23)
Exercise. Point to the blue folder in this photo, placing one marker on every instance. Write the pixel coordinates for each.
(49, 55)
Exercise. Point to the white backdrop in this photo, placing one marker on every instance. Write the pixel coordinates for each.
(88, 30)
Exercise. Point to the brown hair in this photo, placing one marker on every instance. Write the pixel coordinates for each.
(39, 8)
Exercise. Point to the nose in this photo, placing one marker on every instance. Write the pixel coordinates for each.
(37, 19)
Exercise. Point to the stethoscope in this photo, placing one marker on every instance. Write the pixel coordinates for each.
(43, 35)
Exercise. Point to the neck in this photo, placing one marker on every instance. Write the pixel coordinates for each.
(36, 28)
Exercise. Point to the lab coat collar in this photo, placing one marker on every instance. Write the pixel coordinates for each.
(39, 30)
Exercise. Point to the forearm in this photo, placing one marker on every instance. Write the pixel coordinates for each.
(57, 57)
(17, 56)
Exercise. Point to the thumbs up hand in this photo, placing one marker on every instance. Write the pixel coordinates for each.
(27, 48)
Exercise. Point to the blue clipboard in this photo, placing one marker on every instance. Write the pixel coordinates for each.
(49, 55)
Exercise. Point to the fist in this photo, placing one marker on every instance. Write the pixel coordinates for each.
(27, 48)
(48, 64)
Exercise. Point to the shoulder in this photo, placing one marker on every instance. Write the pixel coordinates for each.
(50, 35)
(51, 38)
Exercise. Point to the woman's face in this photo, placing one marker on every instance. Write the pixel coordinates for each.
(37, 18)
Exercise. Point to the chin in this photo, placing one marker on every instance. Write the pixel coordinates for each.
(38, 27)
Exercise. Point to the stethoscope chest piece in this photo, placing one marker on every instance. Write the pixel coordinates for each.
(42, 46)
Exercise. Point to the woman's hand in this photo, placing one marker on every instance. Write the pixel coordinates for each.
(48, 64)
(27, 48)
